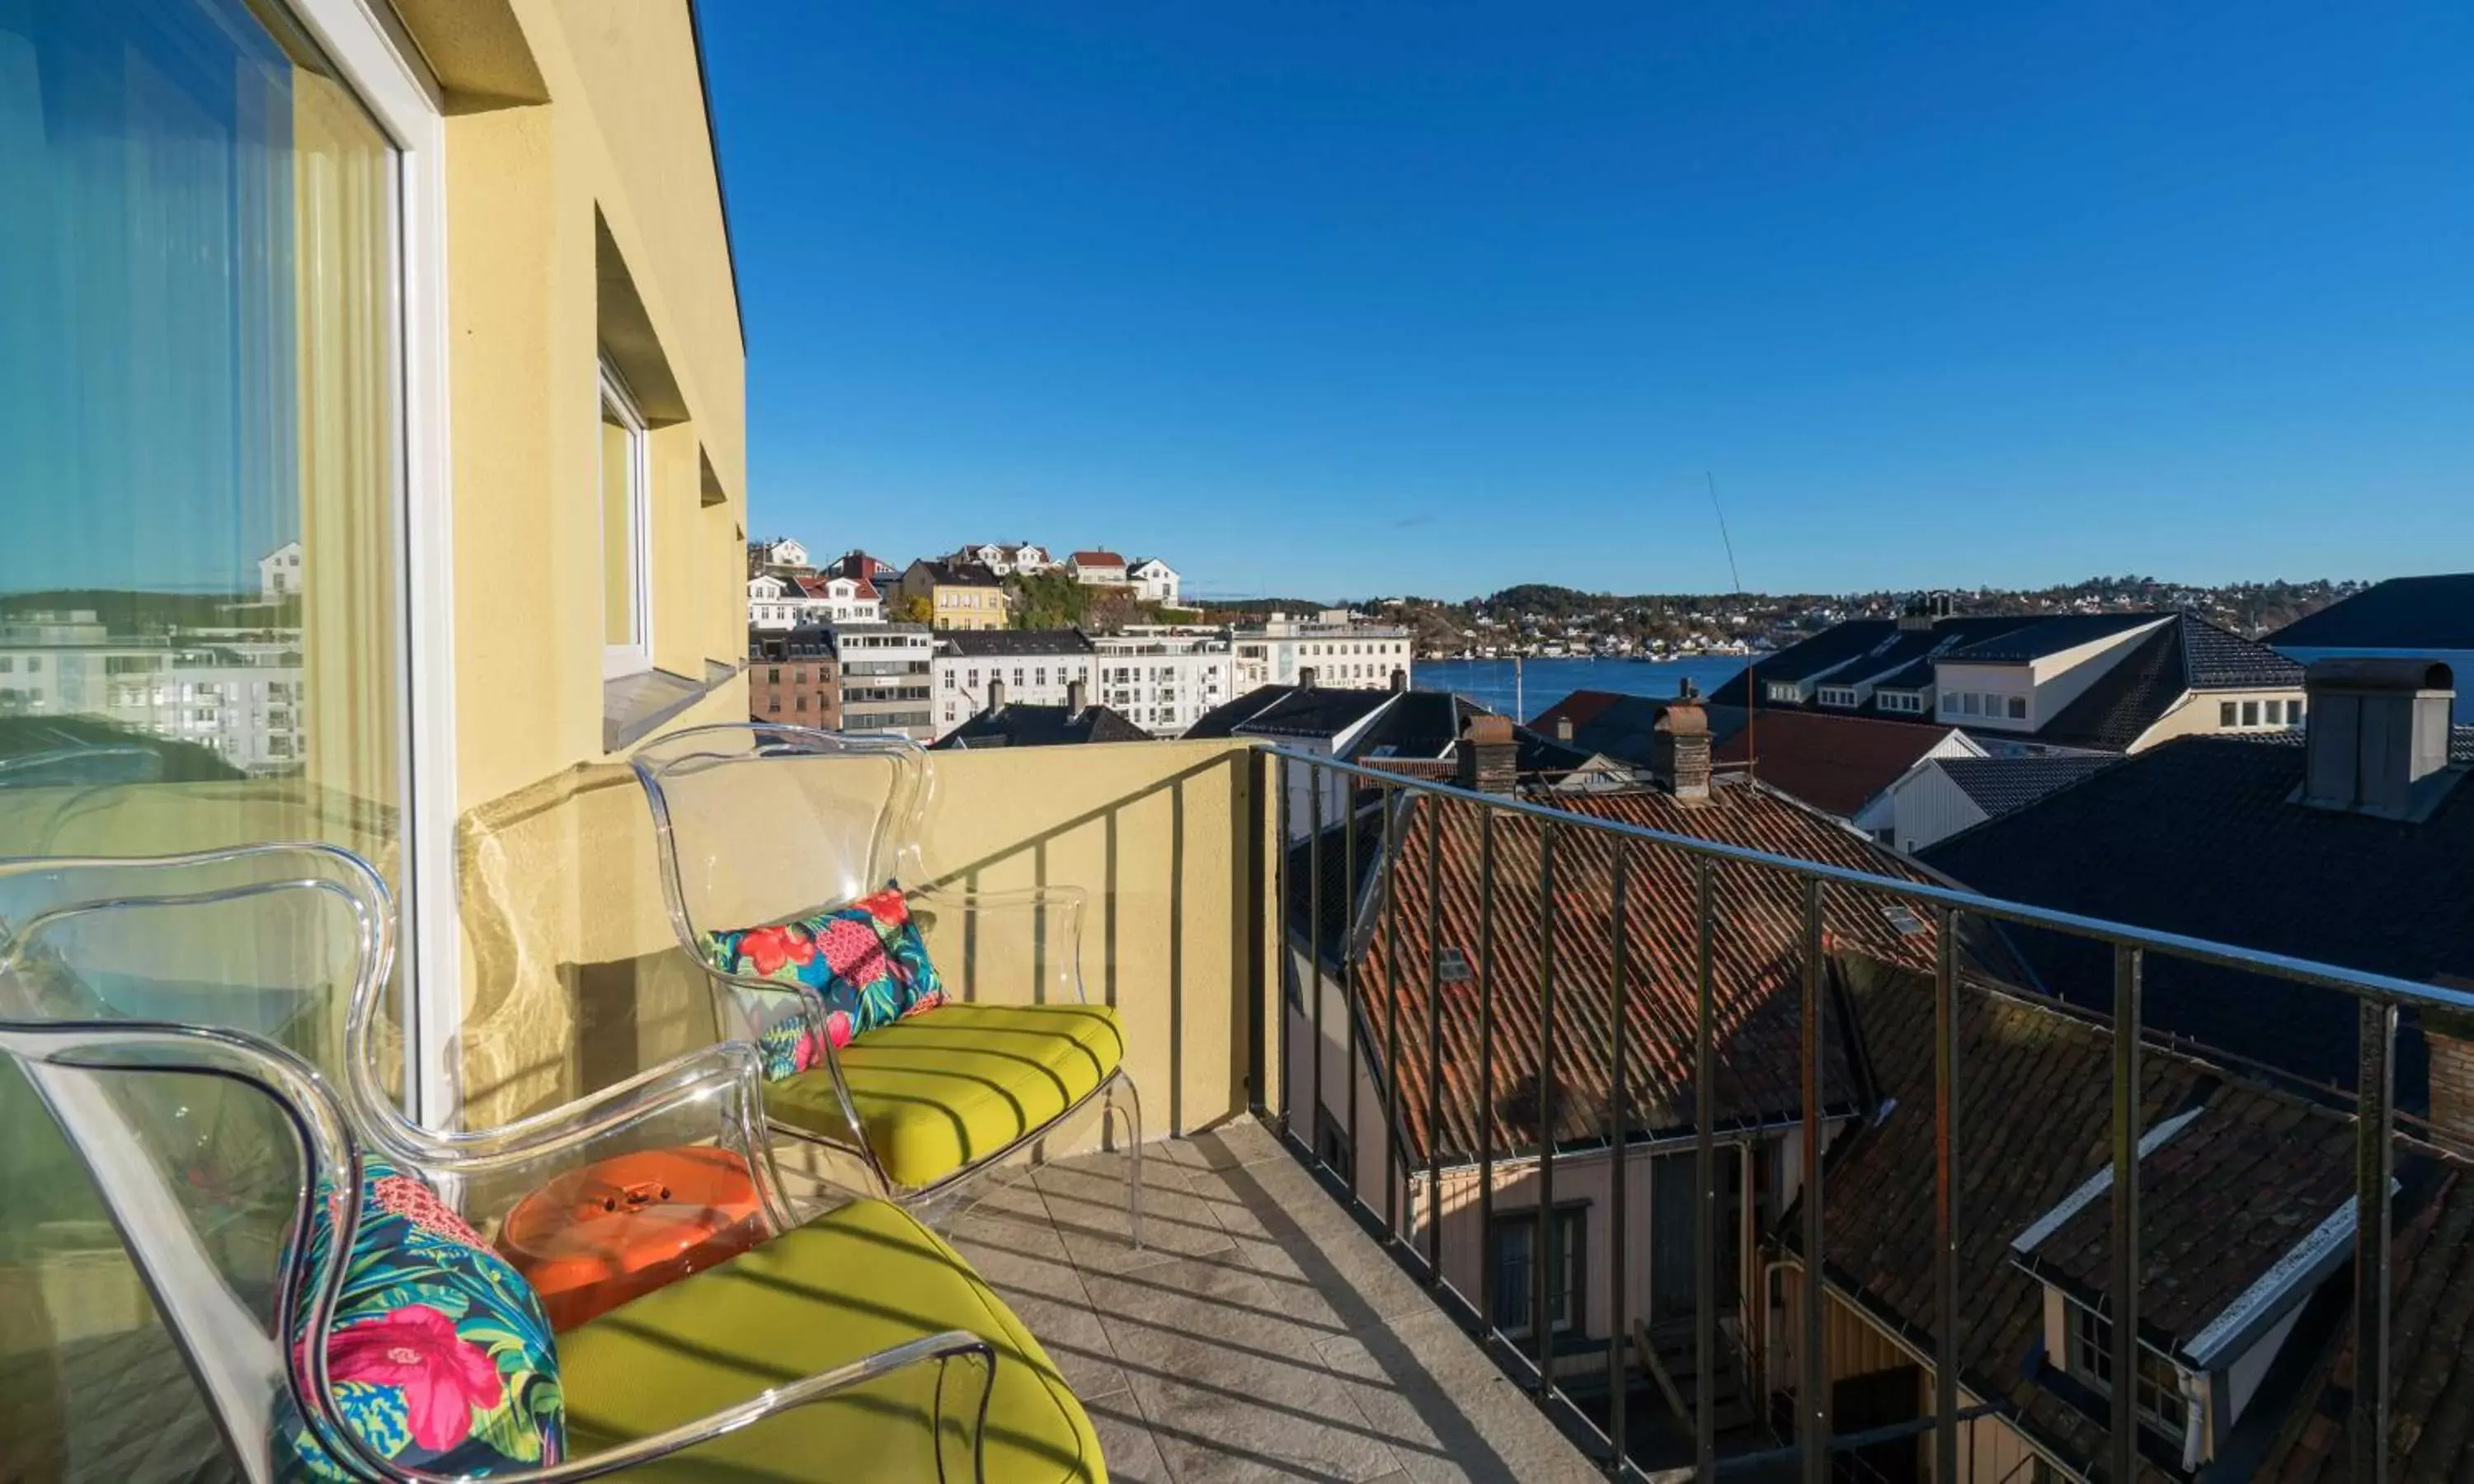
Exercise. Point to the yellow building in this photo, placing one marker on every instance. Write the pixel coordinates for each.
(958, 595)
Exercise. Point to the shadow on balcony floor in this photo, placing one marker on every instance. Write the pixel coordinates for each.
(1259, 1334)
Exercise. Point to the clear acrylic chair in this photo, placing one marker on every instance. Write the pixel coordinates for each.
(760, 824)
(234, 1169)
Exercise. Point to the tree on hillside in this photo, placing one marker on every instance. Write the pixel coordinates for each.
(912, 609)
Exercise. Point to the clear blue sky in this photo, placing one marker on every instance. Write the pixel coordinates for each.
(1329, 297)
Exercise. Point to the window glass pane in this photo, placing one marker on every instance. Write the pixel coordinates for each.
(618, 470)
(200, 486)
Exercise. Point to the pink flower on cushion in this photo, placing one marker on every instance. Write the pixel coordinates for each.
(925, 1002)
(401, 1195)
(837, 1028)
(889, 907)
(768, 948)
(803, 1056)
(416, 1350)
(853, 951)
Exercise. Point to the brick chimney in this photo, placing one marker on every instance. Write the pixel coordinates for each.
(2450, 1036)
(1489, 758)
(2377, 736)
(996, 696)
(1075, 697)
(1679, 747)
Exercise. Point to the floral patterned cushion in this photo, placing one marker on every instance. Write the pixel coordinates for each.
(439, 1356)
(867, 962)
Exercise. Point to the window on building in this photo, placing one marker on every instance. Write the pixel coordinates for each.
(1513, 1274)
(2157, 1397)
(1971, 703)
(2018, 708)
(2294, 713)
(802, 704)
(2251, 713)
(773, 705)
(626, 514)
(2226, 712)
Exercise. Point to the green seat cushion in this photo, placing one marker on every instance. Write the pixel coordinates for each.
(863, 1278)
(939, 1090)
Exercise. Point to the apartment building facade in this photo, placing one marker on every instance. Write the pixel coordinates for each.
(1164, 678)
(958, 594)
(1034, 667)
(1346, 651)
(794, 677)
(886, 672)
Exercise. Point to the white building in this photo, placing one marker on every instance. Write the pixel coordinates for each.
(1008, 559)
(782, 552)
(887, 677)
(1096, 568)
(1154, 581)
(840, 600)
(236, 693)
(1163, 677)
(772, 602)
(1343, 649)
(1033, 666)
(279, 573)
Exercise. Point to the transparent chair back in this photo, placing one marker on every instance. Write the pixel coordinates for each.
(760, 824)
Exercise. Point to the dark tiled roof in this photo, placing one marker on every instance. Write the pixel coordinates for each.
(1042, 725)
(2246, 1178)
(2198, 837)
(2418, 614)
(1620, 725)
(1420, 724)
(1915, 674)
(1223, 720)
(1758, 974)
(1842, 642)
(2046, 636)
(1998, 786)
(2219, 659)
(2185, 655)
(1025, 642)
(1301, 712)
(1834, 763)
(960, 574)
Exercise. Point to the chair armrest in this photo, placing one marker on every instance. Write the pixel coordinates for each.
(713, 1095)
(940, 1350)
(1024, 945)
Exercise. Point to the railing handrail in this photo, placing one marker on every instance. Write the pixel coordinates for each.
(2366, 984)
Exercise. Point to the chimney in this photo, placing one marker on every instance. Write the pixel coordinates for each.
(1305, 677)
(2449, 1033)
(1074, 697)
(2376, 736)
(1564, 729)
(996, 695)
(1679, 747)
(1399, 680)
(1490, 759)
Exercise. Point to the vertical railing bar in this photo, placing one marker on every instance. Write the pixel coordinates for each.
(1280, 874)
(1485, 1068)
(1815, 1385)
(1314, 949)
(1619, 1130)
(2374, 1171)
(2126, 1010)
(1396, 870)
(1945, 1191)
(1434, 812)
(1704, 1159)
(1542, 1327)
(1351, 984)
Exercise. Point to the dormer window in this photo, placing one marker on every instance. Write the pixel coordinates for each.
(2158, 1397)
(1785, 690)
(1840, 696)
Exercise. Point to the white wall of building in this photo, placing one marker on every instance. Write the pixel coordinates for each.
(961, 681)
(1164, 679)
(1343, 655)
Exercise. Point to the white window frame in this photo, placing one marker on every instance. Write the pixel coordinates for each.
(636, 656)
(374, 56)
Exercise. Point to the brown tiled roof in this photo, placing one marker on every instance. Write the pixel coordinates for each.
(2431, 1308)
(1835, 763)
(1757, 965)
(2251, 1173)
(1095, 559)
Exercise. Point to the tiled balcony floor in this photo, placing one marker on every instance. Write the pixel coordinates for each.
(1258, 1334)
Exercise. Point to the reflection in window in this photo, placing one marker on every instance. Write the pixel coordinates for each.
(199, 482)
(623, 600)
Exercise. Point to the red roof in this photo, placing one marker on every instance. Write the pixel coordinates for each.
(1757, 965)
(1834, 763)
(1095, 559)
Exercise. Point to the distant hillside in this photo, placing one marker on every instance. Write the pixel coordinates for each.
(125, 611)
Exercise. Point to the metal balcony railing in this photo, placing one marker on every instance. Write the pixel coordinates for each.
(1322, 801)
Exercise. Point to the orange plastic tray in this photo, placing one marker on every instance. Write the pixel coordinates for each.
(595, 1238)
